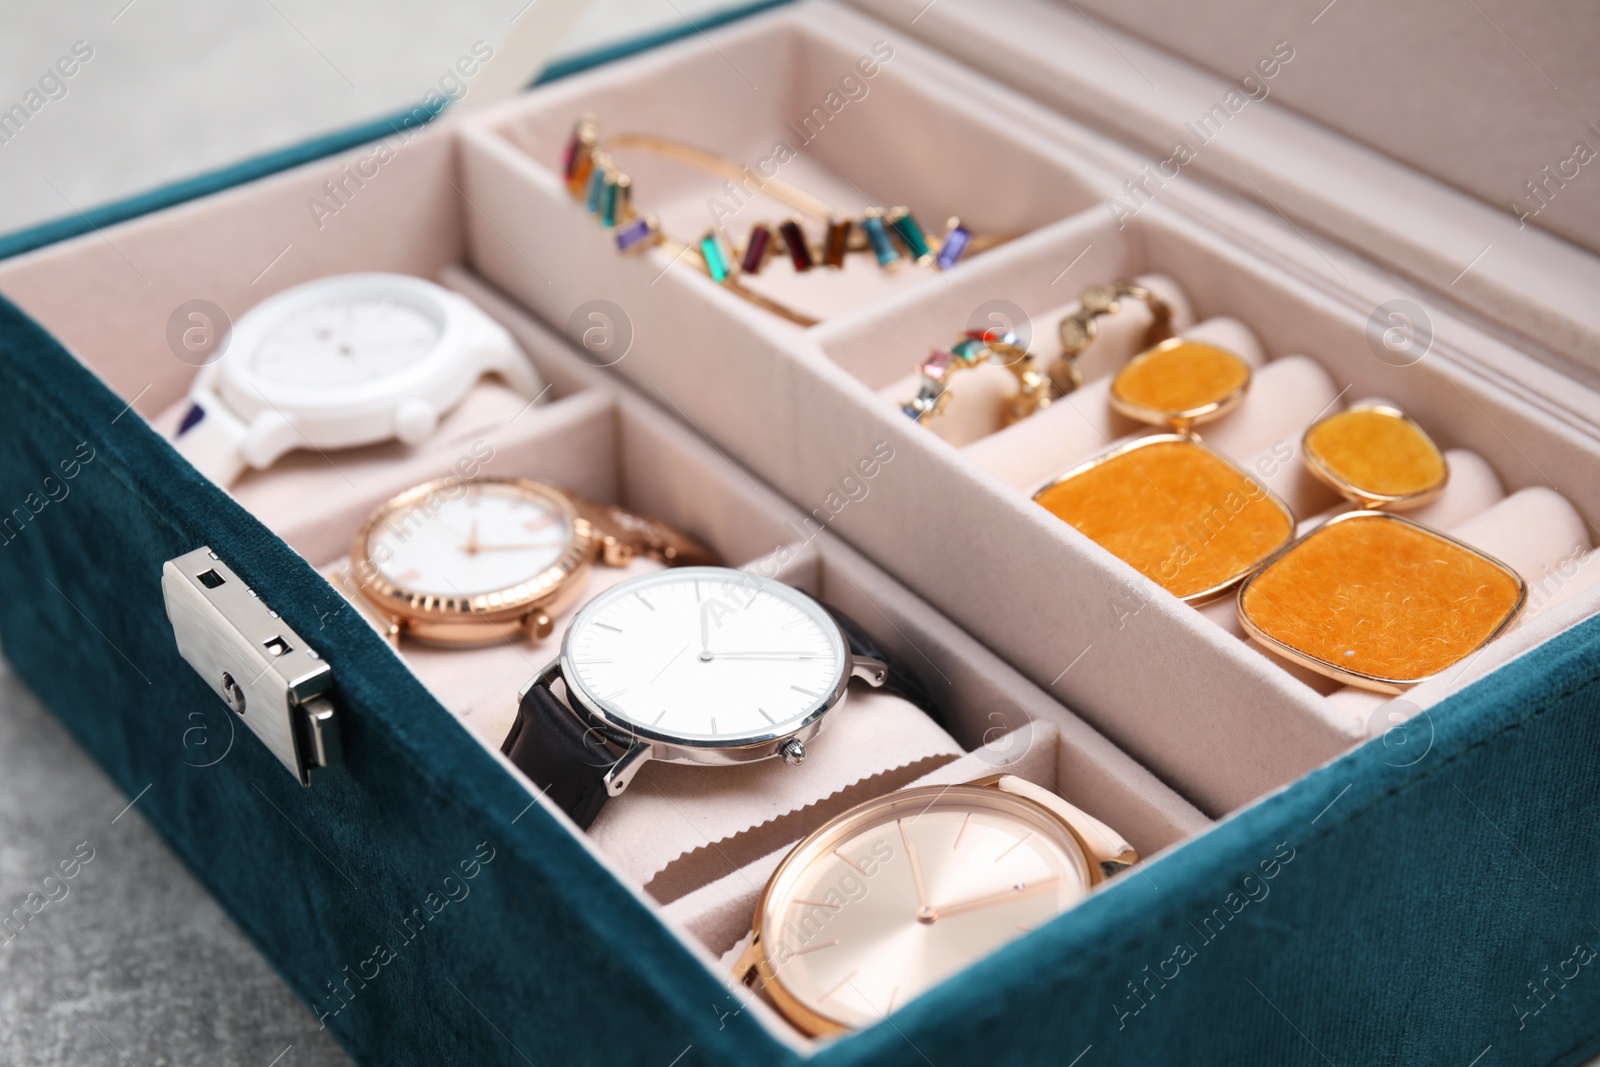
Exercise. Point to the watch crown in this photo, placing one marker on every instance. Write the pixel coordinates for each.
(616, 552)
(792, 752)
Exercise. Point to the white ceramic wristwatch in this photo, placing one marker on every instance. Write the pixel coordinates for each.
(349, 360)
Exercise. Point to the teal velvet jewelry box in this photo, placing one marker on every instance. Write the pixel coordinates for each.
(1423, 897)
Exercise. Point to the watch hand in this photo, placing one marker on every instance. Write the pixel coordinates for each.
(973, 903)
(773, 655)
(368, 348)
(705, 631)
(924, 913)
(472, 547)
(519, 547)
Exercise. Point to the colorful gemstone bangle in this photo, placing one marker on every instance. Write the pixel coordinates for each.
(974, 348)
(892, 237)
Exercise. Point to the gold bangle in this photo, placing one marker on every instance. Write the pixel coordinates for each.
(1079, 329)
(976, 347)
(891, 237)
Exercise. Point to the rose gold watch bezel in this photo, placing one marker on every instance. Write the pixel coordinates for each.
(521, 610)
(997, 792)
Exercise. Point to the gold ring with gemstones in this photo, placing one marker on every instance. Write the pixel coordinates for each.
(976, 347)
(1079, 329)
(1369, 598)
(892, 237)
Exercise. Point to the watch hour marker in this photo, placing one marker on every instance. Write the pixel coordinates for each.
(713, 726)
(791, 624)
(539, 525)
(816, 904)
(409, 576)
(658, 718)
(645, 602)
(769, 718)
(963, 830)
(838, 987)
(607, 626)
(814, 948)
(805, 692)
(850, 861)
(618, 693)
(1013, 845)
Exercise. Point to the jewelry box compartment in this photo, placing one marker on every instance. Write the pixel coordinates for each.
(1522, 486)
(789, 104)
(1221, 720)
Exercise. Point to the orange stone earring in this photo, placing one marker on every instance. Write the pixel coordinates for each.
(1370, 598)
(1181, 513)
(1374, 455)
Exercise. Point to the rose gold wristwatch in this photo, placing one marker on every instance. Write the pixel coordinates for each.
(474, 561)
(897, 894)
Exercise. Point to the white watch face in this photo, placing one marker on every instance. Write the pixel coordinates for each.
(705, 655)
(344, 341)
(911, 889)
(469, 538)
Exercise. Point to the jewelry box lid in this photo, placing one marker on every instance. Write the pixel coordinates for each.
(1447, 142)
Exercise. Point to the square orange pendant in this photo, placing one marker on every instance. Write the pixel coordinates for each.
(1378, 601)
(1182, 514)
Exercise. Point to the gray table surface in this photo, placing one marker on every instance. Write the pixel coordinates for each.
(136, 965)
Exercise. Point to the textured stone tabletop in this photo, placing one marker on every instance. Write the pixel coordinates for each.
(128, 961)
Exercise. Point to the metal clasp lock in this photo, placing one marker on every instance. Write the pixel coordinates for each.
(250, 658)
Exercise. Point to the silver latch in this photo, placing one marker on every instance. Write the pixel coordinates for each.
(260, 668)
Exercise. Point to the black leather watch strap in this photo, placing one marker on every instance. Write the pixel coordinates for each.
(901, 680)
(568, 760)
(559, 754)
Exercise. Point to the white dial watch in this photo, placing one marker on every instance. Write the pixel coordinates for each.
(485, 560)
(349, 360)
(701, 665)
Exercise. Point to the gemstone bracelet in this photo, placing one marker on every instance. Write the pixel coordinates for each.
(892, 237)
